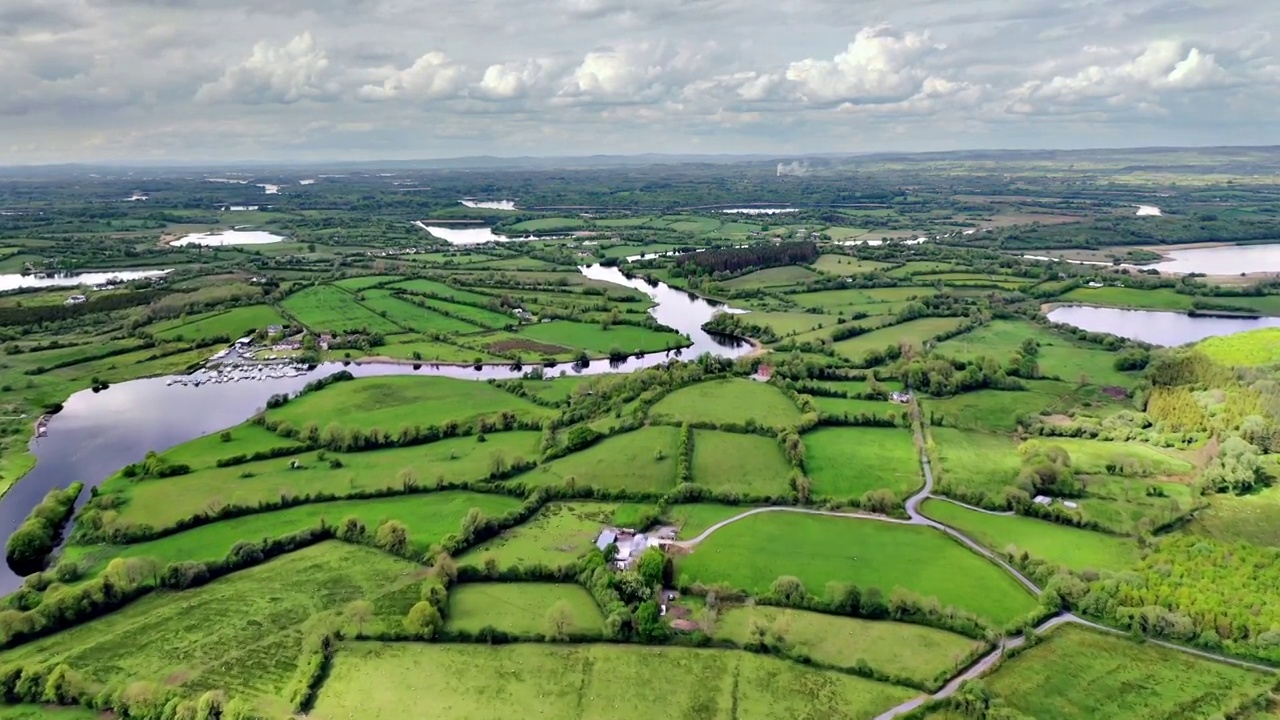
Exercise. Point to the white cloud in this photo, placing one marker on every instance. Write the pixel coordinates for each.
(878, 66)
(431, 77)
(512, 80)
(613, 73)
(297, 71)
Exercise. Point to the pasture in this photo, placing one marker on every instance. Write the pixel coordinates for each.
(1256, 348)
(435, 288)
(428, 519)
(1059, 355)
(243, 631)
(582, 682)
(559, 534)
(773, 277)
(1079, 673)
(744, 464)
(753, 552)
(845, 265)
(903, 650)
(913, 332)
(547, 225)
(233, 324)
(522, 608)
(245, 439)
(694, 518)
(788, 323)
(328, 308)
(848, 462)
(412, 316)
(990, 410)
(824, 299)
(642, 460)
(852, 408)
(391, 403)
(734, 400)
(1072, 548)
(163, 501)
(365, 281)
(601, 341)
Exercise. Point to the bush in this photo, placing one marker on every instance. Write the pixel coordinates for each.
(32, 542)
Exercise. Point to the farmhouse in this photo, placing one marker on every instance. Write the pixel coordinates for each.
(631, 545)
(75, 300)
(902, 398)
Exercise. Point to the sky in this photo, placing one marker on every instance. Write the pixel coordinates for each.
(314, 80)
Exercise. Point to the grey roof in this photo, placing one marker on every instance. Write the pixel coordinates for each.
(606, 539)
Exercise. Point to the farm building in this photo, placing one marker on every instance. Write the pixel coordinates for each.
(631, 545)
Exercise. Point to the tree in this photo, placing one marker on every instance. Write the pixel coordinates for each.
(788, 590)
(393, 537)
(472, 521)
(444, 569)
(654, 567)
(559, 620)
(359, 613)
(649, 625)
(423, 620)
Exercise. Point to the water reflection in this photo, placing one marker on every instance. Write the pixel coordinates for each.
(1158, 328)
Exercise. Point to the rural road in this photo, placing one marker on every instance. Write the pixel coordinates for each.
(986, 662)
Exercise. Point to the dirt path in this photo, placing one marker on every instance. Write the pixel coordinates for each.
(693, 542)
(975, 508)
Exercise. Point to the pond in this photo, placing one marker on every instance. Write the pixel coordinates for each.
(96, 434)
(1158, 328)
(229, 237)
(13, 281)
(1148, 210)
(759, 211)
(489, 204)
(1225, 260)
(475, 234)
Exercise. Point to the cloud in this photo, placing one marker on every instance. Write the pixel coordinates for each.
(297, 71)
(512, 80)
(431, 77)
(878, 66)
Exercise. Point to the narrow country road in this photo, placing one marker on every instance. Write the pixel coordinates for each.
(986, 662)
(975, 508)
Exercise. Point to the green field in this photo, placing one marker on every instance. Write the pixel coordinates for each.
(547, 225)
(325, 307)
(753, 552)
(365, 281)
(1252, 518)
(1072, 548)
(1078, 673)
(1247, 349)
(694, 518)
(903, 650)
(773, 277)
(163, 501)
(441, 290)
(854, 408)
(640, 460)
(1059, 356)
(587, 682)
(728, 401)
(744, 464)
(243, 631)
(845, 265)
(847, 462)
(991, 410)
(428, 518)
(913, 332)
(390, 403)
(417, 347)
(521, 608)
(47, 712)
(411, 316)
(842, 298)
(559, 534)
(787, 323)
(233, 323)
(480, 316)
(591, 337)
(246, 439)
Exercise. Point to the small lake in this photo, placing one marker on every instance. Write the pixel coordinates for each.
(96, 434)
(229, 237)
(759, 211)
(489, 204)
(1146, 210)
(475, 234)
(13, 281)
(1158, 328)
(1225, 260)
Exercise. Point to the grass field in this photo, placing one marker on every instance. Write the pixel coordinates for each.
(1253, 518)
(990, 410)
(472, 314)
(852, 408)
(391, 403)
(233, 323)
(840, 298)
(587, 682)
(1155, 299)
(643, 460)
(428, 518)
(787, 323)
(745, 464)
(365, 281)
(591, 337)
(753, 552)
(243, 631)
(417, 347)
(900, 649)
(439, 289)
(325, 307)
(845, 265)
(1078, 673)
(547, 225)
(728, 401)
(772, 277)
(1247, 349)
(521, 608)
(847, 462)
(163, 501)
(414, 317)
(1069, 547)
(1059, 356)
(693, 518)
(47, 712)
(557, 535)
(913, 332)
(204, 452)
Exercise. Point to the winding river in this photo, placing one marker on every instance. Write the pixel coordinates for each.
(96, 434)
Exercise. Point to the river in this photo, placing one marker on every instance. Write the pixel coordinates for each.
(1225, 260)
(96, 434)
(1169, 329)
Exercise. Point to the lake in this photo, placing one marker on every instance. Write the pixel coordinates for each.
(1225, 260)
(229, 237)
(489, 204)
(1158, 328)
(96, 434)
(759, 211)
(475, 235)
(13, 281)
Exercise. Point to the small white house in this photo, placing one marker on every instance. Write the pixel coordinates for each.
(75, 300)
(1044, 500)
